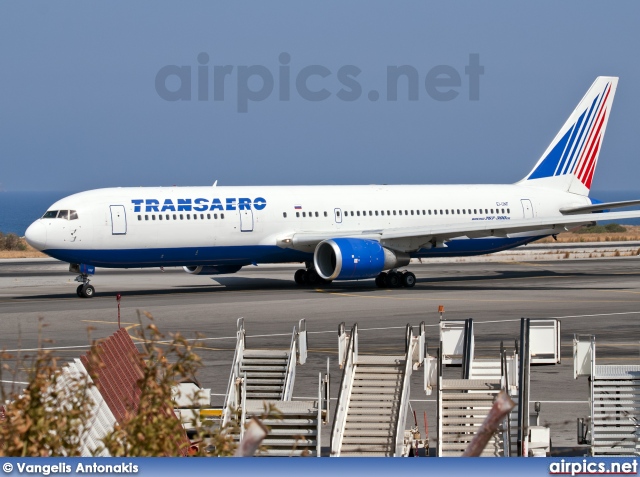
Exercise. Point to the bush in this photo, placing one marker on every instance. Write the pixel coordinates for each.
(601, 229)
(615, 228)
(11, 242)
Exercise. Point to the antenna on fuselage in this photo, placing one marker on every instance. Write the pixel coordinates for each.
(215, 183)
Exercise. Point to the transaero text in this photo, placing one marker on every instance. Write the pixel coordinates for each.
(197, 205)
(80, 468)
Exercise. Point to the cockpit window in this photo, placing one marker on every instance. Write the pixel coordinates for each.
(61, 214)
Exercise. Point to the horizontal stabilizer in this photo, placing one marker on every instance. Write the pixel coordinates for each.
(601, 207)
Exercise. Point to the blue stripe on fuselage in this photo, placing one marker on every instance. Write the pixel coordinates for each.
(246, 255)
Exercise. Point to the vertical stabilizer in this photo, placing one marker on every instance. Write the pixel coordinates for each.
(570, 161)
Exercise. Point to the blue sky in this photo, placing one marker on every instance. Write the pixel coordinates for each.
(79, 106)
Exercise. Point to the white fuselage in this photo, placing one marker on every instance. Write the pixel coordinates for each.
(191, 226)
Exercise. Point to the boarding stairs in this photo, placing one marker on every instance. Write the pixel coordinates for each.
(463, 402)
(613, 427)
(373, 402)
(261, 385)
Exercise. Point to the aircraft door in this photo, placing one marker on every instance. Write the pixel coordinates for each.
(246, 220)
(527, 209)
(338, 215)
(118, 220)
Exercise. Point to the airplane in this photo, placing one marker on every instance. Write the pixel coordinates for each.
(339, 232)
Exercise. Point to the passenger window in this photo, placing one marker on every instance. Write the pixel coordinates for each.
(159, 217)
(181, 217)
(464, 212)
(215, 216)
(412, 212)
(298, 214)
(508, 211)
(284, 214)
(195, 216)
(399, 212)
(388, 212)
(174, 217)
(50, 214)
(316, 214)
(394, 212)
(146, 217)
(221, 216)
(376, 212)
(209, 216)
(325, 214)
(304, 214)
(446, 211)
(458, 211)
(486, 211)
(153, 217)
(139, 217)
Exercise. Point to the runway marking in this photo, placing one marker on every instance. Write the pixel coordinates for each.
(509, 262)
(475, 300)
(595, 315)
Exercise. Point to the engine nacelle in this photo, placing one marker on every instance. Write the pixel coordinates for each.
(212, 270)
(354, 259)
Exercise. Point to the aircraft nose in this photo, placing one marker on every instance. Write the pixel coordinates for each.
(36, 235)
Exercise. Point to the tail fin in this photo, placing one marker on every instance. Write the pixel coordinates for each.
(570, 160)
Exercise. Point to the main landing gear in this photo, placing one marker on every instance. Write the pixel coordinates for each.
(84, 290)
(396, 279)
(309, 277)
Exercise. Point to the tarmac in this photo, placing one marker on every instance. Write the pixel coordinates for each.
(599, 296)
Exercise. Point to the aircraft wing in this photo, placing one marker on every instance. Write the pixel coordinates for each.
(410, 239)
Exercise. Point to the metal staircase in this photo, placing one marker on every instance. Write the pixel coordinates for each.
(614, 425)
(373, 403)
(261, 379)
(463, 403)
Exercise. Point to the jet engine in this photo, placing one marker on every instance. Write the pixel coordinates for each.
(354, 259)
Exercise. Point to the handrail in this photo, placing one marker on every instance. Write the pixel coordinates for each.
(439, 401)
(505, 382)
(231, 397)
(326, 395)
(319, 416)
(287, 388)
(340, 415)
(243, 419)
(302, 341)
(404, 404)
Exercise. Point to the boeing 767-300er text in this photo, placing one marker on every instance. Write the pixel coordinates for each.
(339, 232)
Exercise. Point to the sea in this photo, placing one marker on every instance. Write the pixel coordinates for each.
(19, 209)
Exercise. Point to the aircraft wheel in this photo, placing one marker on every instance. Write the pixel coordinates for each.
(393, 280)
(88, 291)
(408, 279)
(381, 280)
(313, 278)
(79, 290)
(299, 276)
